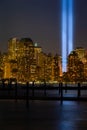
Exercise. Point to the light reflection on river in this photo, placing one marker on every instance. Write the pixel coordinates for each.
(43, 115)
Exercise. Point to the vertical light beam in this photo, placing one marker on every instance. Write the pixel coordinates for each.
(70, 26)
(64, 35)
(67, 31)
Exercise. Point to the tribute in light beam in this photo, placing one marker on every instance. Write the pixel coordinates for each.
(67, 31)
(70, 26)
(64, 34)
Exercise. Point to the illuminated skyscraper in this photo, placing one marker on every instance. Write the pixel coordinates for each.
(26, 58)
(37, 51)
(13, 48)
(81, 53)
(67, 31)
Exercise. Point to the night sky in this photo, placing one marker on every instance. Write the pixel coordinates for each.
(40, 20)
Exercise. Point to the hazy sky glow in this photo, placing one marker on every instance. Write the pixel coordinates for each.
(41, 21)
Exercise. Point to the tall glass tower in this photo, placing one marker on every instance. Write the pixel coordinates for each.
(67, 31)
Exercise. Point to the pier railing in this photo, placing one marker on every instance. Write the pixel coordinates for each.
(41, 92)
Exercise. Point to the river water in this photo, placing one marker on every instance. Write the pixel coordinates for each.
(43, 115)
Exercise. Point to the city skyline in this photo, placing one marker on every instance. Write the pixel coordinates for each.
(41, 21)
(26, 61)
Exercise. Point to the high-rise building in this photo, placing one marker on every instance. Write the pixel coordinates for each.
(6, 66)
(81, 53)
(1, 66)
(26, 59)
(13, 46)
(75, 68)
(56, 68)
(37, 52)
(49, 68)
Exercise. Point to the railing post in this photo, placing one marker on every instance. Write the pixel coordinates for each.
(27, 94)
(9, 87)
(3, 84)
(33, 89)
(59, 88)
(65, 87)
(61, 92)
(44, 88)
(79, 94)
(16, 91)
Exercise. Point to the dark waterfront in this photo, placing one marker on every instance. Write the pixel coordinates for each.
(24, 112)
(43, 115)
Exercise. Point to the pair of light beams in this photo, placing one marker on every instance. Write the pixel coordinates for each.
(67, 31)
